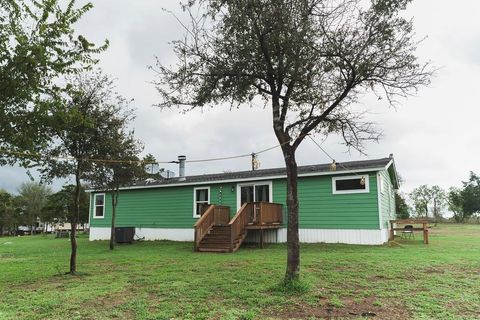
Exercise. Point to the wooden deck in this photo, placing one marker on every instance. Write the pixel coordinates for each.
(215, 232)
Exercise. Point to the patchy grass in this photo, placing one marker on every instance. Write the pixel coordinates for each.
(165, 280)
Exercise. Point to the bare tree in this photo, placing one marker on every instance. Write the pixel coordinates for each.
(310, 60)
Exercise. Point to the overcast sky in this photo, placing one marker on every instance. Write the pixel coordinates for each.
(433, 136)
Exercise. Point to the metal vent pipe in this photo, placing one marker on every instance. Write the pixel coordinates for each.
(181, 167)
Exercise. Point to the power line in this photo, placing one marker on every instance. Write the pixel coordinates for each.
(331, 158)
(96, 160)
(67, 158)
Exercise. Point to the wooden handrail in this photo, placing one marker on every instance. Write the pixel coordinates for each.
(204, 224)
(215, 215)
(204, 216)
(238, 223)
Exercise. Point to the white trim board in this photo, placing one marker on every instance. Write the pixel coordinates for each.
(379, 200)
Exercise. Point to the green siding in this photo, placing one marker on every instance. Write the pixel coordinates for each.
(321, 209)
(387, 199)
(167, 207)
(172, 207)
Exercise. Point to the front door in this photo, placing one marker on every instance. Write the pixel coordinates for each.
(254, 193)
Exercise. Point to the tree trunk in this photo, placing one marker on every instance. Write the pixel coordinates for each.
(292, 272)
(74, 222)
(293, 247)
(112, 228)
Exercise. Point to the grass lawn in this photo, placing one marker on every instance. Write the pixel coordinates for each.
(165, 280)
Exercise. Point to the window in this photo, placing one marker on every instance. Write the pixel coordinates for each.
(350, 184)
(99, 206)
(254, 192)
(201, 198)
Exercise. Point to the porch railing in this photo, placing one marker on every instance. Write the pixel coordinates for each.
(214, 215)
(266, 213)
(238, 223)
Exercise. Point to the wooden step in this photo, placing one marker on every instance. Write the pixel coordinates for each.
(202, 249)
(218, 240)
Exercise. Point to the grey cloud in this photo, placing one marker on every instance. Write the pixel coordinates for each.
(434, 136)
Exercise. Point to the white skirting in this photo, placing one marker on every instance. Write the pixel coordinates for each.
(348, 236)
(149, 234)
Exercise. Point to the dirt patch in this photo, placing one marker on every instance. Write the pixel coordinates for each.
(109, 301)
(352, 309)
(434, 269)
(235, 264)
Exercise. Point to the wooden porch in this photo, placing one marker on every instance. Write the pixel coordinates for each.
(216, 232)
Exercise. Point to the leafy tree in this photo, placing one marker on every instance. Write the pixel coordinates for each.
(8, 218)
(82, 122)
(32, 199)
(37, 46)
(148, 161)
(401, 206)
(310, 60)
(111, 175)
(426, 197)
(421, 197)
(471, 195)
(439, 200)
(455, 204)
(60, 206)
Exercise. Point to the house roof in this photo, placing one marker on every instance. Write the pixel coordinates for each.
(351, 167)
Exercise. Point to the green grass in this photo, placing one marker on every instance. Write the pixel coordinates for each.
(165, 280)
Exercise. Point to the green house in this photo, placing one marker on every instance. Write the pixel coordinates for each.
(351, 203)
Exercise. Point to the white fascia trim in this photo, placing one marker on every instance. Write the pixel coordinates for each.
(314, 174)
(90, 213)
(95, 206)
(257, 183)
(392, 163)
(367, 184)
(380, 219)
(195, 199)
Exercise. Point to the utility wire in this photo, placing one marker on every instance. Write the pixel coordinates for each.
(67, 158)
(331, 158)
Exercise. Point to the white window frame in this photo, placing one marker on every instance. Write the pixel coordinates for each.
(259, 183)
(195, 215)
(367, 184)
(95, 206)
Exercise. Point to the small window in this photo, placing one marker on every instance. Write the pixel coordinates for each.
(201, 198)
(99, 206)
(350, 184)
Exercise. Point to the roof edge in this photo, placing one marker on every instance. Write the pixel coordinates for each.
(264, 178)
